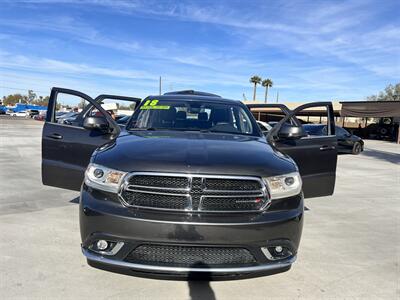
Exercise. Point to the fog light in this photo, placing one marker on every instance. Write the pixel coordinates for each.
(102, 245)
(277, 252)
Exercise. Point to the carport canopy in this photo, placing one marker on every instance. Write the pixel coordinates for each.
(372, 109)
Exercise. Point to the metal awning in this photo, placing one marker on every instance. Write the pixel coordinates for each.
(370, 109)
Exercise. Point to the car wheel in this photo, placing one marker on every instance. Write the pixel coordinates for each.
(357, 148)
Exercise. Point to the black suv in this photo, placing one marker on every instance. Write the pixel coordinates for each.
(190, 185)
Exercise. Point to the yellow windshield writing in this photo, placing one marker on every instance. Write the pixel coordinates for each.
(152, 104)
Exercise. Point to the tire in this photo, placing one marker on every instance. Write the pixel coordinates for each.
(383, 131)
(357, 148)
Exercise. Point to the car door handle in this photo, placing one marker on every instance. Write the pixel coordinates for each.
(55, 136)
(326, 148)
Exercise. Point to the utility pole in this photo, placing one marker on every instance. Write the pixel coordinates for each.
(160, 86)
(277, 97)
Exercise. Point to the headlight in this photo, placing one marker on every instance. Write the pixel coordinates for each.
(284, 185)
(103, 178)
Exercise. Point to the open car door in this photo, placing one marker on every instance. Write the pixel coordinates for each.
(316, 156)
(68, 141)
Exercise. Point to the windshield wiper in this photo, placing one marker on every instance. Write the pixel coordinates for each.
(145, 128)
(151, 129)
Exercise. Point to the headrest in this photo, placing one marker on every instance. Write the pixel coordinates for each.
(203, 116)
(169, 115)
(220, 115)
(181, 115)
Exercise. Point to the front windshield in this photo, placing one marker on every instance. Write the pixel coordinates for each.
(192, 116)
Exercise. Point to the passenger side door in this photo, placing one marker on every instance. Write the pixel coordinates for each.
(316, 156)
(67, 145)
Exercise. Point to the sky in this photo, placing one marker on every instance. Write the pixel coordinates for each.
(312, 50)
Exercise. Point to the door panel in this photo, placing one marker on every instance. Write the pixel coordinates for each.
(65, 158)
(316, 159)
(66, 149)
(316, 156)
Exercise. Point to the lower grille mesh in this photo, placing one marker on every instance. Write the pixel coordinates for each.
(190, 256)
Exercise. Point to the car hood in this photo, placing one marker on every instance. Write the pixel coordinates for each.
(193, 152)
(356, 138)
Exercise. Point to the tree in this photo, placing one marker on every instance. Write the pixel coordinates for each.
(391, 93)
(11, 100)
(255, 80)
(267, 83)
(42, 101)
(31, 96)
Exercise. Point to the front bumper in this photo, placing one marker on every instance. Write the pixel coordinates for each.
(187, 270)
(104, 218)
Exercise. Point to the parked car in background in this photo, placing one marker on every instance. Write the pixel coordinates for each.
(22, 113)
(67, 118)
(32, 112)
(347, 142)
(386, 129)
(122, 121)
(59, 114)
(41, 116)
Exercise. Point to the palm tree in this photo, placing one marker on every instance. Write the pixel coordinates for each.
(267, 83)
(256, 80)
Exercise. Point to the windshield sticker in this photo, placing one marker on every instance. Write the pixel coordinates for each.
(152, 104)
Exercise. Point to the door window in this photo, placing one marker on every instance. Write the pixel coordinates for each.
(316, 121)
(70, 109)
(120, 110)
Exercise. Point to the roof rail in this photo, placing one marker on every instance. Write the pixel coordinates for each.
(192, 92)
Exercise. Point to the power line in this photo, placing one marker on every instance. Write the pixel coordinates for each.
(19, 89)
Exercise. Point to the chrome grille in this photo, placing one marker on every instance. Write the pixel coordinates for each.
(156, 200)
(186, 192)
(160, 181)
(220, 184)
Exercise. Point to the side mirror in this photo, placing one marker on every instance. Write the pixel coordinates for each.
(291, 132)
(96, 123)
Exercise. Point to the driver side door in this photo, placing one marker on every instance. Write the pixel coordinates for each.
(66, 145)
